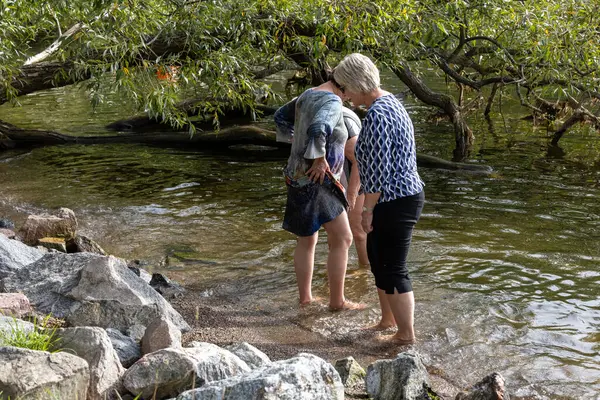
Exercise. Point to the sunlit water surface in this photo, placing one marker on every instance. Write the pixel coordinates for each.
(505, 267)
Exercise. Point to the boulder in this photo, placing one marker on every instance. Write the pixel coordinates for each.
(168, 372)
(29, 374)
(6, 224)
(160, 334)
(250, 354)
(83, 244)
(9, 233)
(128, 350)
(403, 378)
(14, 255)
(305, 376)
(166, 287)
(14, 304)
(63, 225)
(53, 243)
(93, 345)
(90, 290)
(350, 371)
(492, 387)
(142, 273)
(9, 325)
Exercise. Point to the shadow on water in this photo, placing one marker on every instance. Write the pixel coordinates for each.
(505, 267)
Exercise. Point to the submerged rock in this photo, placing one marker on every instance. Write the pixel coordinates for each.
(492, 387)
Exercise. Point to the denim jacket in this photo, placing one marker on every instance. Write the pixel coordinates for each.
(313, 123)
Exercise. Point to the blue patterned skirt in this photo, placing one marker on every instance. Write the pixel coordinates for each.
(310, 206)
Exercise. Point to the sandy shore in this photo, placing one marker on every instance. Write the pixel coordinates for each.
(283, 330)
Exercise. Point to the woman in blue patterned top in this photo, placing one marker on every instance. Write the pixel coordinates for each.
(394, 197)
(314, 124)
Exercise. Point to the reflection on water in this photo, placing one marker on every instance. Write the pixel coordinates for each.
(505, 267)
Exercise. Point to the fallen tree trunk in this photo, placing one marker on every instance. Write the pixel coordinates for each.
(14, 137)
(232, 116)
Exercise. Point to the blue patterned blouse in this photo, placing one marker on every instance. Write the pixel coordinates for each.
(386, 151)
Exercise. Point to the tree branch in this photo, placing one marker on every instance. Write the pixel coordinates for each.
(53, 48)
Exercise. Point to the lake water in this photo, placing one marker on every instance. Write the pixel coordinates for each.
(506, 268)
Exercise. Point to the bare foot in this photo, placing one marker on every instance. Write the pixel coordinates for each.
(394, 339)
(314, 300)
(348, 305)
(381, 326)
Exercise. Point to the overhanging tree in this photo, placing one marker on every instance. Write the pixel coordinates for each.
(543, 53)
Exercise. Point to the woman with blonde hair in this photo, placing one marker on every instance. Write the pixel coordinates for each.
(394, 197)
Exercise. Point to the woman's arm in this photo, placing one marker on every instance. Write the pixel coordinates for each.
(354, 182)
(285, 117)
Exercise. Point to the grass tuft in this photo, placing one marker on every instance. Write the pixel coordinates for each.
(40, 338)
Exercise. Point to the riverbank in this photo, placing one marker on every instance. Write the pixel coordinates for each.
(282, 331)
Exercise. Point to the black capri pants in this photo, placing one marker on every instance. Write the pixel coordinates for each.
(389, 241)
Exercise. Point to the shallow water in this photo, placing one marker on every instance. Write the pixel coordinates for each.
(505, 267)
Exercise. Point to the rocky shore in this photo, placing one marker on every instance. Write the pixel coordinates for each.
(112, 330)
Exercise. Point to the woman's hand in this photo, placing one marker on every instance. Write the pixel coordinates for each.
(351, 200)
(318, 170)
(367, 221)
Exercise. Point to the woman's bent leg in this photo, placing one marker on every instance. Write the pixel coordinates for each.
(359, 235)
(304, 260)
(339, 239)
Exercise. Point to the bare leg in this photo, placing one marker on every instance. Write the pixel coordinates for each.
(403, 308)
(304, 261)
(387, 317)
(360, 236)
(339, 239)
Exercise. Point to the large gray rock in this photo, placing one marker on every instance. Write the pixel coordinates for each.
(305, 377)
(29, 374)
(492, 387)
(403, 378)
(90, 290)
(93, 345)
(160, 334)
(127, 349)
(64, 225)
(169, 372)
(8, 325)
(9, 233)
(15, 255)
(250, 354)
(14, 304)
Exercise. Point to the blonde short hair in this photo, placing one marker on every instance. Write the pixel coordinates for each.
(357, 73)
